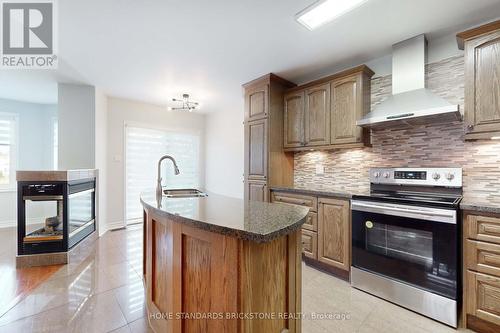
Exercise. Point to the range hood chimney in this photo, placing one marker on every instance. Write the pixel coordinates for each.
(411, 102)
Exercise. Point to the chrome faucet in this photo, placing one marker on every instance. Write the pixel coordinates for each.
(159, 192)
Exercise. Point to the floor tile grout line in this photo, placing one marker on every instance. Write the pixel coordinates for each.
(55, 307)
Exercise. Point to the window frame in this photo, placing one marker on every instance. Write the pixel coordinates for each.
(14, 152)
(147, 126)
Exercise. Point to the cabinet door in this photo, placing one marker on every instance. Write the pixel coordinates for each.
(256, 154)
(482, 84)
(483, 296)
(483, 228)
(257, 102)
(311, 222)
(346, 106)
(294, 120)
(309, 244)
(334, 236)
(257, 191)
(317, 115)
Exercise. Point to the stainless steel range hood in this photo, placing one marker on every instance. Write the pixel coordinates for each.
(411, 102)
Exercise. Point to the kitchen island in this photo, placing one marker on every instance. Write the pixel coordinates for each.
(218, 264)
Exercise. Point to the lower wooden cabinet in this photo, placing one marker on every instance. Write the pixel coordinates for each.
(334, 243)
(483, 296)
(310, 244)
(481, 293)
(311, 222)
(326, 235)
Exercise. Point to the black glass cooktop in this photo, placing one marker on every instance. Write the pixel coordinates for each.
(414, 198)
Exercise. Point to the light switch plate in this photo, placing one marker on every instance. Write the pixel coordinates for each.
(320, 169)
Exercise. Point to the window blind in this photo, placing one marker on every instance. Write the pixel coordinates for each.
(144, 147)
(7, 150)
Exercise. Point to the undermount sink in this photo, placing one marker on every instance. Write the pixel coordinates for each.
(184, 193)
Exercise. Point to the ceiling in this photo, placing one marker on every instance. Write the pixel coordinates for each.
(153, 50)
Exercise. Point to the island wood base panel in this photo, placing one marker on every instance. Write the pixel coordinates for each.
(197, 272)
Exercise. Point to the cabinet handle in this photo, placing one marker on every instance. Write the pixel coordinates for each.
(470, 127)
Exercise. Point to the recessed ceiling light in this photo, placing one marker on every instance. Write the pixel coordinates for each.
(324, 11)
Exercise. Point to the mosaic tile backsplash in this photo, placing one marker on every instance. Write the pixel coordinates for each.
(433, 145)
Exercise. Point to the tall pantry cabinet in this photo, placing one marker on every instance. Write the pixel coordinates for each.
(265, 162)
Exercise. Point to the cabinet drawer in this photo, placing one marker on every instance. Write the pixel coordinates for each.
(482, 257)
(296, 199)
(310, 244)
(483, 296)
(311, 222)
(483, 228)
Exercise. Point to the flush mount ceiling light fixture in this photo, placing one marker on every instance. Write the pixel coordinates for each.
(324, 11)
(186, 104)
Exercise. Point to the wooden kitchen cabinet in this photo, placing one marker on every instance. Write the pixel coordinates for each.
(349, 104)
(257, 101)
(317, 115)
(334, 233)
(326, 235)
(481, 253)
(256, 138)
(310, 244)
(322, 114)
(482, 85)
(265, 162)
(294, 120)
(257, 191)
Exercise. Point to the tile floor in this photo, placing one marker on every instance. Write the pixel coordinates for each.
(103, 292)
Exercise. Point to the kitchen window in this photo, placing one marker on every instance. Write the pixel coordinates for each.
(8, 150)
(144, 147)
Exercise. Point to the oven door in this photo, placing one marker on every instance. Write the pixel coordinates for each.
(411, 244)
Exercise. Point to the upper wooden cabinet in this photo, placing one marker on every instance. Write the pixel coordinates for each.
(317, 115)
(257, 102)
(294, 128)
(323, 114)
(482, 84)
(266, 164)
(349, 103)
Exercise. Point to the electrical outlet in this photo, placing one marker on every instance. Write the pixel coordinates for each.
(320, 169)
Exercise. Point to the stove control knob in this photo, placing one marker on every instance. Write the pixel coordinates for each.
(436, 176)
(450, 176)
(376, 174)
(386, 175)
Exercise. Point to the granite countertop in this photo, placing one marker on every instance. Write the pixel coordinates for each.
(56, 175)
(326, 191)
(255, 221)
(471, 203)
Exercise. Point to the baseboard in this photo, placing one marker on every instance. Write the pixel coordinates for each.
(115, 225)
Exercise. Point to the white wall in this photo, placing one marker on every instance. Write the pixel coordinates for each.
(224, 151)
(101, 158)
(121, 111)
(35, 148)
(76, 105)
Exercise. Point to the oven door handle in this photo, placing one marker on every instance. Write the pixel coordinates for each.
(421, 213)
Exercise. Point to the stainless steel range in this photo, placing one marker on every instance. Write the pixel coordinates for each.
(405, 239)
